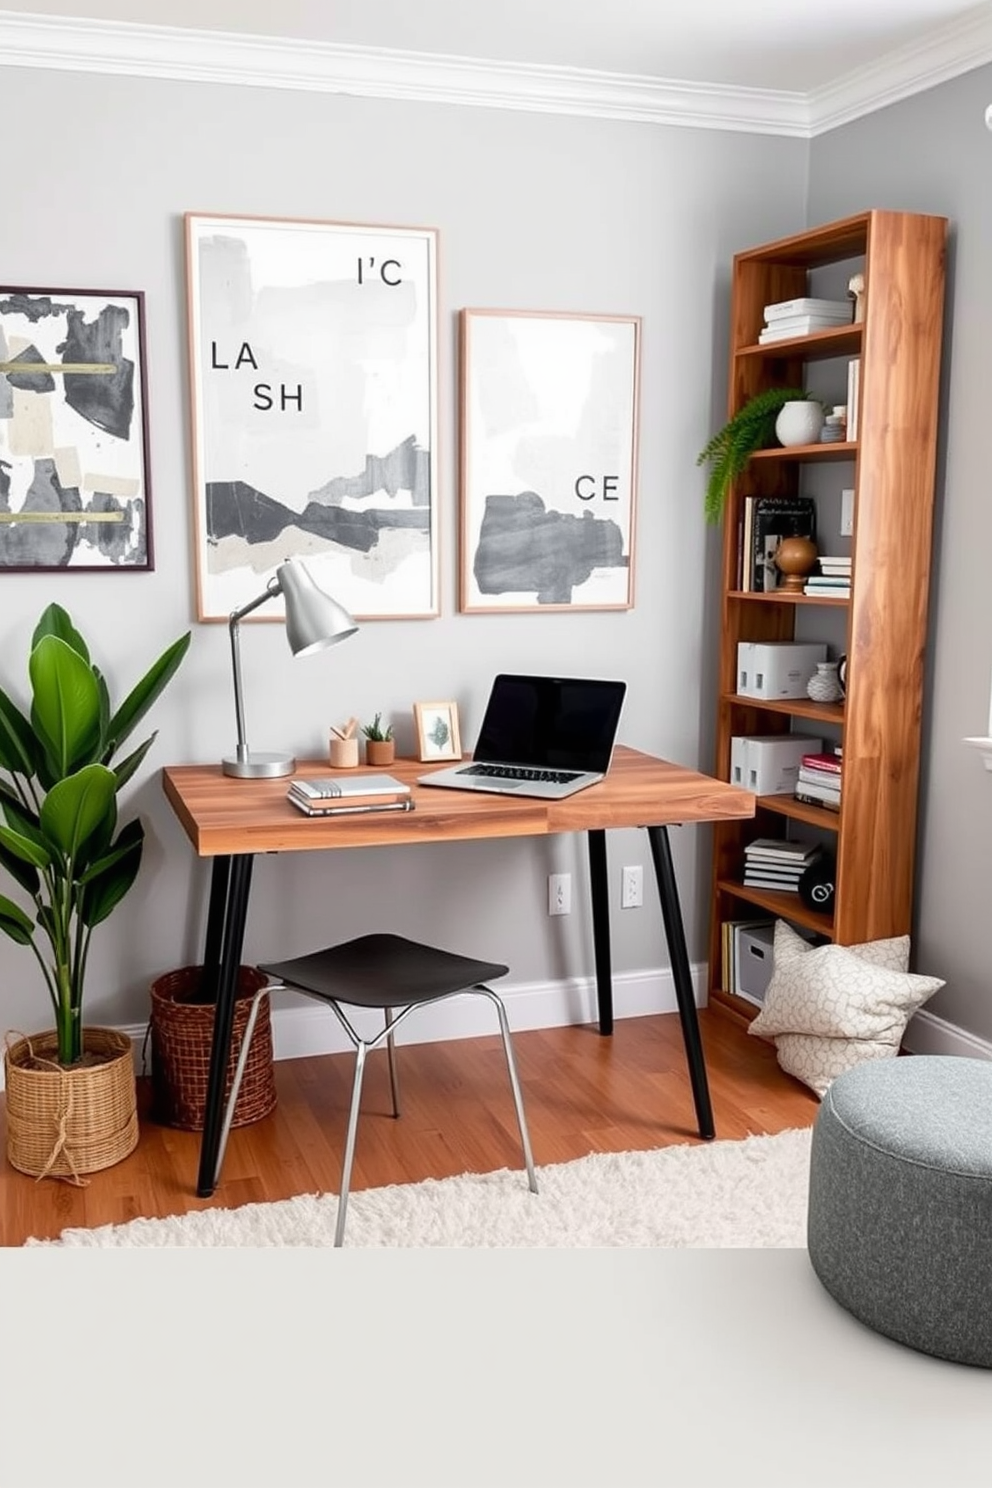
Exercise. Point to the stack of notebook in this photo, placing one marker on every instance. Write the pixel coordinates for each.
(773, 863)
(341, 796)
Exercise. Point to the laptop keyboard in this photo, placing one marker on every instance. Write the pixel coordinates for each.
(518, 772)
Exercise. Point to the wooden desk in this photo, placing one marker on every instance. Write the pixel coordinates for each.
(231, 820)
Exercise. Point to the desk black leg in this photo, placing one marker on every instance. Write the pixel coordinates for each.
(601, 928)
(230, 890)
(671, 910)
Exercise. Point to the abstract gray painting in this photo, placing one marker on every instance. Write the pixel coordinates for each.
(74, 487)
(313, 374)
(549, 460)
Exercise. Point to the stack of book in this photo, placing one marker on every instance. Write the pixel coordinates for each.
(832, 577)
(348, 797)
(798, 317)
(774, 863)
(819, 780)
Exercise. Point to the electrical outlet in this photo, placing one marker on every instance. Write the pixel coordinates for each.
(559, 893)
(847, 513)
(632, 888)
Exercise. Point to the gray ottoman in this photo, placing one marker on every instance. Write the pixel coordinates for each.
(900, 1201)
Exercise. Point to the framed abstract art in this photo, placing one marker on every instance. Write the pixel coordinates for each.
(74, 479)
(313, 349)
(548, 460)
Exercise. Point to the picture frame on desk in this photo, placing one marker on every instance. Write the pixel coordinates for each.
(438, 736)
(313, 378)
(75, 487)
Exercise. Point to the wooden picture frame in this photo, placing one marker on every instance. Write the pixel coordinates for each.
(438, 737)
(548, 415)
(313, 376)
(74, 468)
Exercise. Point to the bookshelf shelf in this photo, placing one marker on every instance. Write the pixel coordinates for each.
(881, 626)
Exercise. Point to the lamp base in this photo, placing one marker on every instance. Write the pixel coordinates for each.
(259, 766)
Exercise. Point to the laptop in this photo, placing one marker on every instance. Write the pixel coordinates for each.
(540, 736)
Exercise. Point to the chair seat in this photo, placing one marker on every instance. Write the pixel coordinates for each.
(383, 971)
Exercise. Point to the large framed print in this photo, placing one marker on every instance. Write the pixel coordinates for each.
(74, 483)
(548, 460)
(313, 350)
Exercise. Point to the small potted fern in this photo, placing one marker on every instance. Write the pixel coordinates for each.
(380, 747)
(751, 428)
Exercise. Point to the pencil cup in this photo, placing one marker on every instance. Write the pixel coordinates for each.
(343, 753)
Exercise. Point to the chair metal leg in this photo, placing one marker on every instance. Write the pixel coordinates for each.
(394, 1088)
(239, 1071)
(349, 1146)
(518, 1101)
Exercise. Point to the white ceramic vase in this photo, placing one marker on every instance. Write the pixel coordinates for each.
(824, 685)
(799, 422)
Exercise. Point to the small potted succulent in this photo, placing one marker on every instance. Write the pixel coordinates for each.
(380, 747)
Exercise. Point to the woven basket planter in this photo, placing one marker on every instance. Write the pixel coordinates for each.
(62, 1123)
(182, 1032)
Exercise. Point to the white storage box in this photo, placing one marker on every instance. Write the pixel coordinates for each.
(776, 669)
(768, 764)
(755, 962)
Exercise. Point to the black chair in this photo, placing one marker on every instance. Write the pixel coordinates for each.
(395, 975)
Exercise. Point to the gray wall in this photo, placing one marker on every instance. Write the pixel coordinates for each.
(933, 153)
(534, 211)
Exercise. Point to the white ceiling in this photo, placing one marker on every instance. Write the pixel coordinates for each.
(796, 46)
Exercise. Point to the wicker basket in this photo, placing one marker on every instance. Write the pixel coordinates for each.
(182, 1032)
(62, 1122)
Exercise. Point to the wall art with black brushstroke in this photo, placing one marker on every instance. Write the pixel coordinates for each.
(313, 376)
(548, 460)
(74, 484)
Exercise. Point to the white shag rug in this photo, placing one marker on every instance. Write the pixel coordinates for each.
(717, 1195)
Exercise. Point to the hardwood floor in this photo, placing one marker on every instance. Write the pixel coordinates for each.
(582, 1094)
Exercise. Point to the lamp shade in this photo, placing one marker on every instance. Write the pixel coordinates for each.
(313, 619)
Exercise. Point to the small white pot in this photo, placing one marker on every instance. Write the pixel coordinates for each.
(799, 422)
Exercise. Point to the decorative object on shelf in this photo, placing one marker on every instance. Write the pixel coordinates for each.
(380, 746)
(842, 675)
(856, 291)
(548, 460)
(824, 686)
(343, 745)
(62, 846)
(818, 883)
(751, 428)
(287, 321)
(799, 422)
(72, 366)
(314, 620)
(795, 557)
(437, 731)
(767, 519)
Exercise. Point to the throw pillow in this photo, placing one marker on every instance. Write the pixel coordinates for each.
(829, 1007)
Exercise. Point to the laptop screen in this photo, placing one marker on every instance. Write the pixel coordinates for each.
(560, 723)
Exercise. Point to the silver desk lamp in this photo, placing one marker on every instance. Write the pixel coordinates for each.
(313, 620)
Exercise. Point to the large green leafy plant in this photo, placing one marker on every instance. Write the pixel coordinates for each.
(751, 428)
(60, 778)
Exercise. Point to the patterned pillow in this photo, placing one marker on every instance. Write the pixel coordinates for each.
(829, 1007)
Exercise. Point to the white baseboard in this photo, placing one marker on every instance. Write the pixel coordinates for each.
(301, 1028)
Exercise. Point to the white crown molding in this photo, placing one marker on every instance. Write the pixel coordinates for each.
(943, 54)
(134, 50)
(268, 62)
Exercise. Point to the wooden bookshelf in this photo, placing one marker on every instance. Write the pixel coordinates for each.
(881, 626)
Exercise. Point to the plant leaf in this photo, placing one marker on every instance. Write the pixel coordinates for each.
(56, 621)
(66, 706)
(144, 694)
(17, 744)
(108, 880)
(14, 922)
(26, 848)
(76, 807)
(127, 767)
